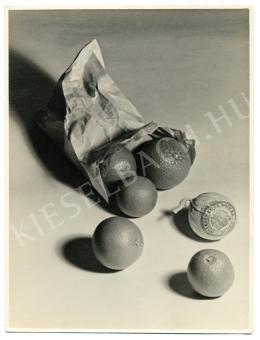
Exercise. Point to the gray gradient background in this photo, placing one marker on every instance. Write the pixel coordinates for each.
(175, 66)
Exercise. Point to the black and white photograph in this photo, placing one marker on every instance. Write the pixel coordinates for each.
(129, 170)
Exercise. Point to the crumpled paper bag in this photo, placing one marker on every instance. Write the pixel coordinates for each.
(89, 117)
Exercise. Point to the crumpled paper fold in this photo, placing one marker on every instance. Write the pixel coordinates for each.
(89, 117)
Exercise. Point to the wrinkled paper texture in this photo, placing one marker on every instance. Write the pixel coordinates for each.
(89, 117)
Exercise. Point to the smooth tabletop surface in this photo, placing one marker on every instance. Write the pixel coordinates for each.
(179, 68)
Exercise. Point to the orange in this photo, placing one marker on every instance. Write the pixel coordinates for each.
(212, 216)
(210, 273)
(138, 198)
(117, 243)
(117, 166)
(171, 162)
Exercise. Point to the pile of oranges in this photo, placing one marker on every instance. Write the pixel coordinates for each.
(132, 180)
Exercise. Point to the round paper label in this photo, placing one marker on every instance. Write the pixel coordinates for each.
(218, 218)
